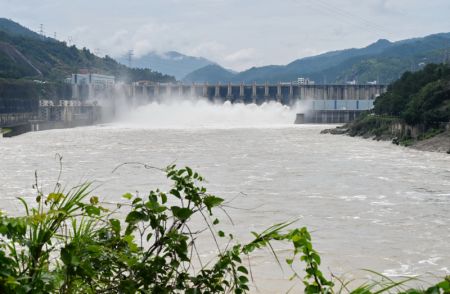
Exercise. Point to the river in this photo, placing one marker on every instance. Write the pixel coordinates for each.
(368, 204)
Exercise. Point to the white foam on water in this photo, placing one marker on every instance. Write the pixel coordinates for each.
(200, 113)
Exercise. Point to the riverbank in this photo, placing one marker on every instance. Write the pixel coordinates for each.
(435, 140)
(438, 143)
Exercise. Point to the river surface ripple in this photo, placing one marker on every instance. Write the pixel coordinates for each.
(368, 204)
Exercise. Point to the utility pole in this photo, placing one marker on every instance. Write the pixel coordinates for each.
(41, 30)
(130, 57)
(446, 54)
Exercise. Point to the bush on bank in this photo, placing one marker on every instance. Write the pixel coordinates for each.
(70, 243)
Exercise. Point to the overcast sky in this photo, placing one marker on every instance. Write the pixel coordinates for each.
(237, 34)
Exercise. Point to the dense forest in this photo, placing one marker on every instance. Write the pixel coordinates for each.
(421, 97)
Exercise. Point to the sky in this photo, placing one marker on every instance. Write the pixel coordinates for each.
(237, 34)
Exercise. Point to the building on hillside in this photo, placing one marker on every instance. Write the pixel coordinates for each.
(94, 79)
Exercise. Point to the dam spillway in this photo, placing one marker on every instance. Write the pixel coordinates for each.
(287, 94)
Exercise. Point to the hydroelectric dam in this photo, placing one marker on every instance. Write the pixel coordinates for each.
(319, 103)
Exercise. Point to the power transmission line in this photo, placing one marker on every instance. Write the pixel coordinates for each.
(446, 54)
(343, 19)
(343, 12)
(347, 17)
(130, 57)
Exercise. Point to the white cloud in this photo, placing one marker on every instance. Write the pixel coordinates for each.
(242, 59)
(236, 34)
(241, 55)
(211, 49)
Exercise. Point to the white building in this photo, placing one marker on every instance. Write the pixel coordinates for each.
(305, 81)
(96, 80)
(85, 86)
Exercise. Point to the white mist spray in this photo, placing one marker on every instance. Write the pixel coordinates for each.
(200, 113)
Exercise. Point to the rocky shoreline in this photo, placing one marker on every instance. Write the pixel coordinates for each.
(438, 143)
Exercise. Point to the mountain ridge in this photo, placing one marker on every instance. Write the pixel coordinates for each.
(220, 74)
(382, 60)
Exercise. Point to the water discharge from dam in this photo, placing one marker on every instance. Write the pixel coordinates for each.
(368, 204)
(195, 113)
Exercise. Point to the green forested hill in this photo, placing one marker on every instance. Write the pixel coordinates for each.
(24, 54)
(421, 97)
(13, 28)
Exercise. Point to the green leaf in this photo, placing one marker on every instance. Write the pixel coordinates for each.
(181, 213)
(445, 285)
(130, 241)
(163, 198)
(115, 225)
(243, 279)
(135, 216)
(127, 196)
(242, 269)
(92, 210)
(316, 258)
(175, 193)
(212, 201)
(221, 234)
(155, 207)
(55, 197)
(216, 221)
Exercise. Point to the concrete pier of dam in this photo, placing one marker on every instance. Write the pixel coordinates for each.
(286, 94)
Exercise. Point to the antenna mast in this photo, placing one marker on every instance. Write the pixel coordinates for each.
(130, 57)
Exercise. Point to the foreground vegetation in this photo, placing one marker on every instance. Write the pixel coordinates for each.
(68, 242)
